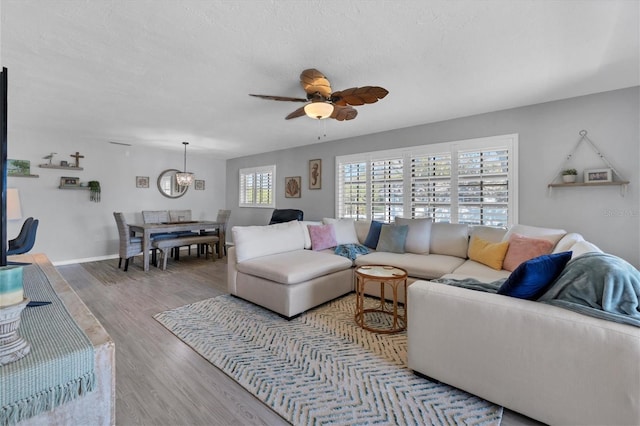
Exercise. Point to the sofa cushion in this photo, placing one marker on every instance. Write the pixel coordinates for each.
(417, 265)
(418, 236)
(362, 229)
(490, 254)
(256, 241)
(553, 235)
(322, 237)
(307, 237)
(493, 234)
(450, 239)
(392, 238)
(582, 247)
(295, 266)
(532, 278)
(473, 269)
(374, 234)
(345, 230)
(523, 248)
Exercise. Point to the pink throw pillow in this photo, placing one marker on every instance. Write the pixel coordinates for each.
(523, 248)
(322, 236)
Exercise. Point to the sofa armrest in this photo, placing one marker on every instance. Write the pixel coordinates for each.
(551, 364)
(232, 270)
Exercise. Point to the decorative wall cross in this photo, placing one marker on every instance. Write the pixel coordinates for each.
(77, 156)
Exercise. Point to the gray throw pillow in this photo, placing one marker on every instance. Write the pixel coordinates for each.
(392, 238)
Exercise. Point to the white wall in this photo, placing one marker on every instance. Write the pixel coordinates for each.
(547, 133)
(72, 228)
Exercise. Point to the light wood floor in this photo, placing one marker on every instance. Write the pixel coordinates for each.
(159, 379)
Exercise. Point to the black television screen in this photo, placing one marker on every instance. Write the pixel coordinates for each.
(3, 166)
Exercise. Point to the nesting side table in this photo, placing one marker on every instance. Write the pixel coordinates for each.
(384, 276)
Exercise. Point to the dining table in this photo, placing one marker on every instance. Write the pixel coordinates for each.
(148, 229)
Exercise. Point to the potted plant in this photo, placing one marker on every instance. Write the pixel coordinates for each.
(94, 189)
(569, 175)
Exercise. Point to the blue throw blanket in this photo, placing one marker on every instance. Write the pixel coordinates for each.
(598, 284)
(351, 251)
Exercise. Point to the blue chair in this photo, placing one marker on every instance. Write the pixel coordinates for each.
(285, 215)
(25, 240)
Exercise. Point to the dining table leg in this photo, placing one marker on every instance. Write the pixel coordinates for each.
(146, 248)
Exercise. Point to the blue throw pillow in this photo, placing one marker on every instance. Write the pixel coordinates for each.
(392, 238)
(532, 278)
(374, 234)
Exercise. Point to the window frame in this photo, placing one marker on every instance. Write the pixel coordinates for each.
(507, 142)
(253, 172)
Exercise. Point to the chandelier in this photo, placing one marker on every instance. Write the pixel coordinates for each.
(184, 178)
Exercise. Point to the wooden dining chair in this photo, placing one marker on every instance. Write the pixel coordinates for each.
(223, 217)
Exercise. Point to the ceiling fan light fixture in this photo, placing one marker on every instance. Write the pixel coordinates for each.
(184, 178)
(318, 110)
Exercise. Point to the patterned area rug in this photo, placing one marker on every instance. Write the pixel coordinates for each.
(321, 368)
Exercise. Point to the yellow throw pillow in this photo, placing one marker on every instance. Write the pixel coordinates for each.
(490, 254)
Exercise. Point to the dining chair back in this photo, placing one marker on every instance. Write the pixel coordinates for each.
(129, 246)
(26, 244)
(155, 216)
(223, 217)
(179, 215)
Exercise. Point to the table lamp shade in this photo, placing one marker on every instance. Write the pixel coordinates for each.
(13, 204)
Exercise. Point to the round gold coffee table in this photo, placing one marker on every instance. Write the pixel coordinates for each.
(384, 276)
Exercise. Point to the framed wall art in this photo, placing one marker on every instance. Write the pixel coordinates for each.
(292, 187)
(597, 175)
(142, 181)
(69, 182)
(315, 174)
(198, 185)
(18, 167)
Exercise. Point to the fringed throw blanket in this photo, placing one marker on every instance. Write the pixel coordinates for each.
(60, 364)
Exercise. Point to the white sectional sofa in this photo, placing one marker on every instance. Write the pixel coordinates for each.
(549, 363)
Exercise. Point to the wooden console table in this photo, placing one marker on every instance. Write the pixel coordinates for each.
(96, 407)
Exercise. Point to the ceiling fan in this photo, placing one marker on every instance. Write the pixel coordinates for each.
(323, 103)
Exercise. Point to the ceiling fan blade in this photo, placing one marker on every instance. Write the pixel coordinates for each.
(295, 114)
(280, 98)
(342, 113)
(313, 81)
(359, 95)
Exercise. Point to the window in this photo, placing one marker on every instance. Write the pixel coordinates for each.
(472, 182)
(257, 187)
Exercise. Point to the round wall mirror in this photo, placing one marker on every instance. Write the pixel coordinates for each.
(168, 184)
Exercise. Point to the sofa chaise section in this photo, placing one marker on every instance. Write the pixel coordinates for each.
(268, 266)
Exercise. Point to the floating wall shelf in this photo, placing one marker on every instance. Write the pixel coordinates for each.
(558, 185)
(51, 166)
(73, 187)
(27, 176)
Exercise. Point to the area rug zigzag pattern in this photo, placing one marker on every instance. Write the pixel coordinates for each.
(321, 368)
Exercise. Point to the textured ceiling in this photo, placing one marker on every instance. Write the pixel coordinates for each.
(157, 72)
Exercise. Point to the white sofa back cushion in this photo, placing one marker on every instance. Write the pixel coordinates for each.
(362, 229)
(418, 236)
(345, 230)
(449, 238)
(257, 241)
(553, 235)
(493, 234)
(307, 237)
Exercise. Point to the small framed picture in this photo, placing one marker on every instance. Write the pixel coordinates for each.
(142, 181)
(64, 163)
(598, 175)
(315, 174)
(292, 187)
(18, 167)
(198, 185)
(66, 181)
